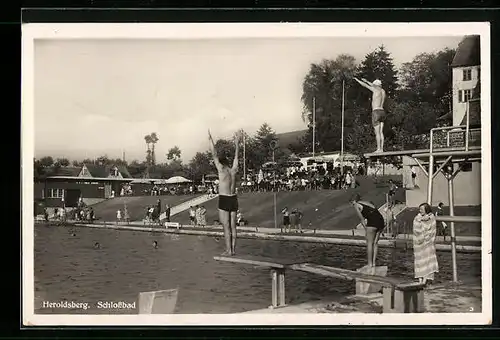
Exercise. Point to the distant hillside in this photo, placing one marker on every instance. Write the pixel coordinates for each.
(291, 138)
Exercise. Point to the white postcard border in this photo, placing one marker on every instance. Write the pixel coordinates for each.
(30, 32)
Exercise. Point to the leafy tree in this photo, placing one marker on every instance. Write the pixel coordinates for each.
(137, 169)
(153, 140)
(411, 121)
(148, 141)
(47, 161)
(428, 78)
(379, 65)
(175, 168)
(103, 160)
(201, 165)
(63, 161)
(322, 91)
(174, 153)
(39, 170)
(358, 135)
(261, 146)
(76, 163)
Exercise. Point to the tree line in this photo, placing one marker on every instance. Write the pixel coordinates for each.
(257, 152)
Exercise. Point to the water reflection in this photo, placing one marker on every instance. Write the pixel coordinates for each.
(69, 267)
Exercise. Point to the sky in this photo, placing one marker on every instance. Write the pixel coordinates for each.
(101, 97)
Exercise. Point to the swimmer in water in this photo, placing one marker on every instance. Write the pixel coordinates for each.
(73, 234)
(97, 245)
(155, 244)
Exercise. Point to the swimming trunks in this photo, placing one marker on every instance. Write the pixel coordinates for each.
(373, 217)
(286, 220)
(378, 116)
(228, 203)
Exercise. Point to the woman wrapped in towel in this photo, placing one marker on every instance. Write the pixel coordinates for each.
(424, 238)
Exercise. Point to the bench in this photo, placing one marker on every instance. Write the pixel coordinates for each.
(399, 296)
(176, 225)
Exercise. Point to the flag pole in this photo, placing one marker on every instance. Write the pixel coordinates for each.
(342, 134)
(244, 157)
(314, 126)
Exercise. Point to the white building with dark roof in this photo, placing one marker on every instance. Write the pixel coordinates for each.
(466, 72)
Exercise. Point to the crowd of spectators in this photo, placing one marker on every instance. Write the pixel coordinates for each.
(301, 179)
(264, 180)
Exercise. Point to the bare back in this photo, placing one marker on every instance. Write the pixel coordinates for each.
(227, 181)
(378, 98)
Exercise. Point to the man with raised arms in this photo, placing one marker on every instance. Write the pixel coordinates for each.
(228, 202)
(378, 113)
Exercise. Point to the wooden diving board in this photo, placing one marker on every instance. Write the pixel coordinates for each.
(399, 296)
(465, 219)
(344, 274)
(393, 153)
(257, 261)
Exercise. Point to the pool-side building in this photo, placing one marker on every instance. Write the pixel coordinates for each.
(93, 183)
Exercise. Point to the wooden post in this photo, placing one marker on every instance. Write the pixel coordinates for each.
(281, 286)
(364, 288)
(403, 299)
(274, 288)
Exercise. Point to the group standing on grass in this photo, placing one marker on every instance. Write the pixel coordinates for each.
(123, 217)
(292, 220)
(198, 216)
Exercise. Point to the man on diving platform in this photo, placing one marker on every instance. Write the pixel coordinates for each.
(378, 113)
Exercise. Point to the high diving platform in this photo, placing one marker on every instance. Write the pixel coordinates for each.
(422, 153)
(451, 149)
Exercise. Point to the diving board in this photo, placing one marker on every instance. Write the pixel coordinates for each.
(394, 153)
(399, 296)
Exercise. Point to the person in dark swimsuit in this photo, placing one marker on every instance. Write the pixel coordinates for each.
(373, 222)
(228, 202)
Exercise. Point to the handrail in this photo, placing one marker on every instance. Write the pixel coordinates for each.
(467, 128)
(448, 127)
(463, 219)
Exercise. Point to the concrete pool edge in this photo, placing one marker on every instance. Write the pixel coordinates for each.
(247, 234)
